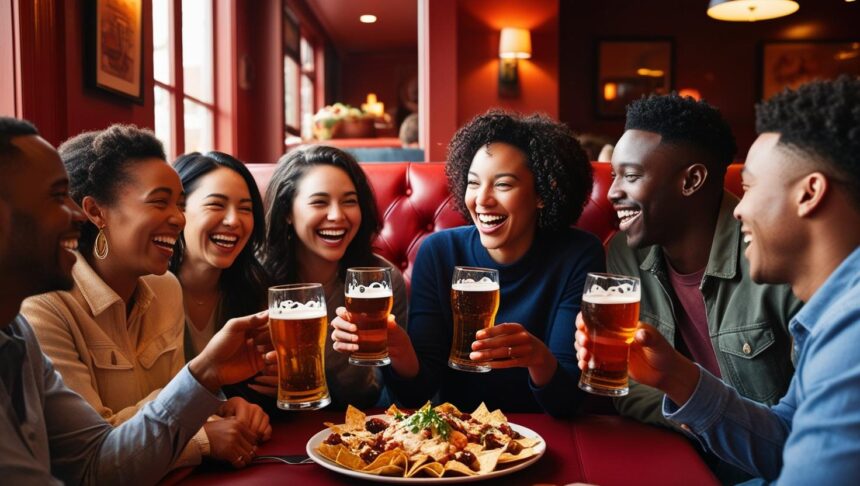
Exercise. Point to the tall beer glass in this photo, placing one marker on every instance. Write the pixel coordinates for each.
(610, 308)
(368, 301)
(298, 321)
(474, 303)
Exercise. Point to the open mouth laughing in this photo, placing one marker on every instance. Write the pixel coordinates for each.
(490, 221)
(332, 235)
(224, 240)
(165, 243)
(626, 217)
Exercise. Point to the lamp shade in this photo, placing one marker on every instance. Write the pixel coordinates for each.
(750, 10)
(515, 44)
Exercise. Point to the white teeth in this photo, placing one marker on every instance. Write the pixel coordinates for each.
(166, 240)
(70, 244)
(225, 238)
(625, 215)
(491, 218)
(332, 233)
(747, 238)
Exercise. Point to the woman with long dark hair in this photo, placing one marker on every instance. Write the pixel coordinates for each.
(321, 219)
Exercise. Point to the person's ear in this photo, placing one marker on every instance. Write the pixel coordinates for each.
(810, 192)
(93, 211)
(694, 178)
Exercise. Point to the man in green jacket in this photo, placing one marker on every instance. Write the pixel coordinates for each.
(680, 238)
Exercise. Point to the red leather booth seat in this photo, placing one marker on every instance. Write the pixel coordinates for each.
(413, 201)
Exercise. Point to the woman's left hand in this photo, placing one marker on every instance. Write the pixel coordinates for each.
(509, 345)
(250, 414)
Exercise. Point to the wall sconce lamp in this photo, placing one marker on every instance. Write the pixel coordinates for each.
(750, 10)
(514, 44)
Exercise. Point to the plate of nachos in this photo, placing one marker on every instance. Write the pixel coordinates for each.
(431, 444)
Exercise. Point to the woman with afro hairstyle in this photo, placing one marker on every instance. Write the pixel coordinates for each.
(116, 336)
(522, 182)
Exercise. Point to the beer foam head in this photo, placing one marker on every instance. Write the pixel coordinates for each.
(469, 285)
(372, 291)
(289, 309)
(618, 294)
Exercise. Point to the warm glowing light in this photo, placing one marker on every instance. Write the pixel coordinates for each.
(372, 106)
(515, 44)
(367, 19)
(610, 91)
(751, 10)
(691, 93)
(653, 73)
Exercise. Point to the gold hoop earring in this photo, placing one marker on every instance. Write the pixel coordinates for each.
(100, 246)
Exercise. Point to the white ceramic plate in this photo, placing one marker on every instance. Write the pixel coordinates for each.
(320, 436)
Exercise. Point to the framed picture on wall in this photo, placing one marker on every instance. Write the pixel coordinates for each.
(788, 64)
(115, 49)
(627, 69)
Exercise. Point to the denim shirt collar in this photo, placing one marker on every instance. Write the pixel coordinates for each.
(724, 258)
(843, 279)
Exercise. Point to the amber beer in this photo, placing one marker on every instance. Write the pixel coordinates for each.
(369, 312)
(298, 330)
(474, 305)
(611, 318)
(369, 298)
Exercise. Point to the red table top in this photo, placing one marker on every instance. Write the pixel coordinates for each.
(595, 449)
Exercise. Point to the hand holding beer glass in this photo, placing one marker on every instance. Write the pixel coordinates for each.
(474, 303)
(369, 299)
(610, 309)
(298, 321)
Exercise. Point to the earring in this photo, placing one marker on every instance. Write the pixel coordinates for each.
(100, 247)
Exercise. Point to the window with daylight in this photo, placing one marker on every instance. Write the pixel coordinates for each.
(184, 72)
(302, 77)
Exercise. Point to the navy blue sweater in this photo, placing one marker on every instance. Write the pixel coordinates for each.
(542, 291)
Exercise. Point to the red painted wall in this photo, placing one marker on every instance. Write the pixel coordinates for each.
(720, 59)
(478, 25)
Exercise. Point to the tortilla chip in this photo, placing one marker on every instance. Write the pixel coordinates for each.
(527, 442)
(333, 427)
(383, 459)
(447, 408)
(474, 448)
(355, 418)
(347, 459)
(524, 454)
(417, 461)
(481, 414)
(488, 460)
(433, 469)
(459, 467)
(393, 410)
(497, 417)
(329, 451)
(385, 471)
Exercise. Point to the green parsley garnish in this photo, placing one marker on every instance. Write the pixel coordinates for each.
(428, 418)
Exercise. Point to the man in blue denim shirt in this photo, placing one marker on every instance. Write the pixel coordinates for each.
(801, 219)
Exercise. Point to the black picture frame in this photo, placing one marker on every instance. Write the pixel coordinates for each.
(628, 68)
(114, 43)
(790, 63)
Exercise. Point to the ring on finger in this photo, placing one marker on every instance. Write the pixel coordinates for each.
(239, 460)
(510, 352)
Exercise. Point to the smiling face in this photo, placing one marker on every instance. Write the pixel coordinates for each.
(220, 219)
(645, 190)
(501, 198)
(144, 222)
(44, 221)
(326, 215)
(768, 216)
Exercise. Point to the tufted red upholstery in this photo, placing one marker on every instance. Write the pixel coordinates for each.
(413, 202)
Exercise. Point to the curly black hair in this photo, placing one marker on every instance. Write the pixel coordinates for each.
(99, 163)
(279, 254)
(562, 172)
(244, 283)
(682, 120)
(820, 119)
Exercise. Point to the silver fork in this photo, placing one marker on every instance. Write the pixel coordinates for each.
(286, 459)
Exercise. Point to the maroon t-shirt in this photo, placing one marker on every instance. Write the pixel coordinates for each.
(693, 320)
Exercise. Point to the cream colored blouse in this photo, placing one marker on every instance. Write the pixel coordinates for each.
(117, 362)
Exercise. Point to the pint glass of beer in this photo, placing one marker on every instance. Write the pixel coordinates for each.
(368, 302)
(610, 308)
(474, 303)
(298, 321)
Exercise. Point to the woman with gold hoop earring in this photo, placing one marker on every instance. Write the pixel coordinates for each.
(116, 337)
